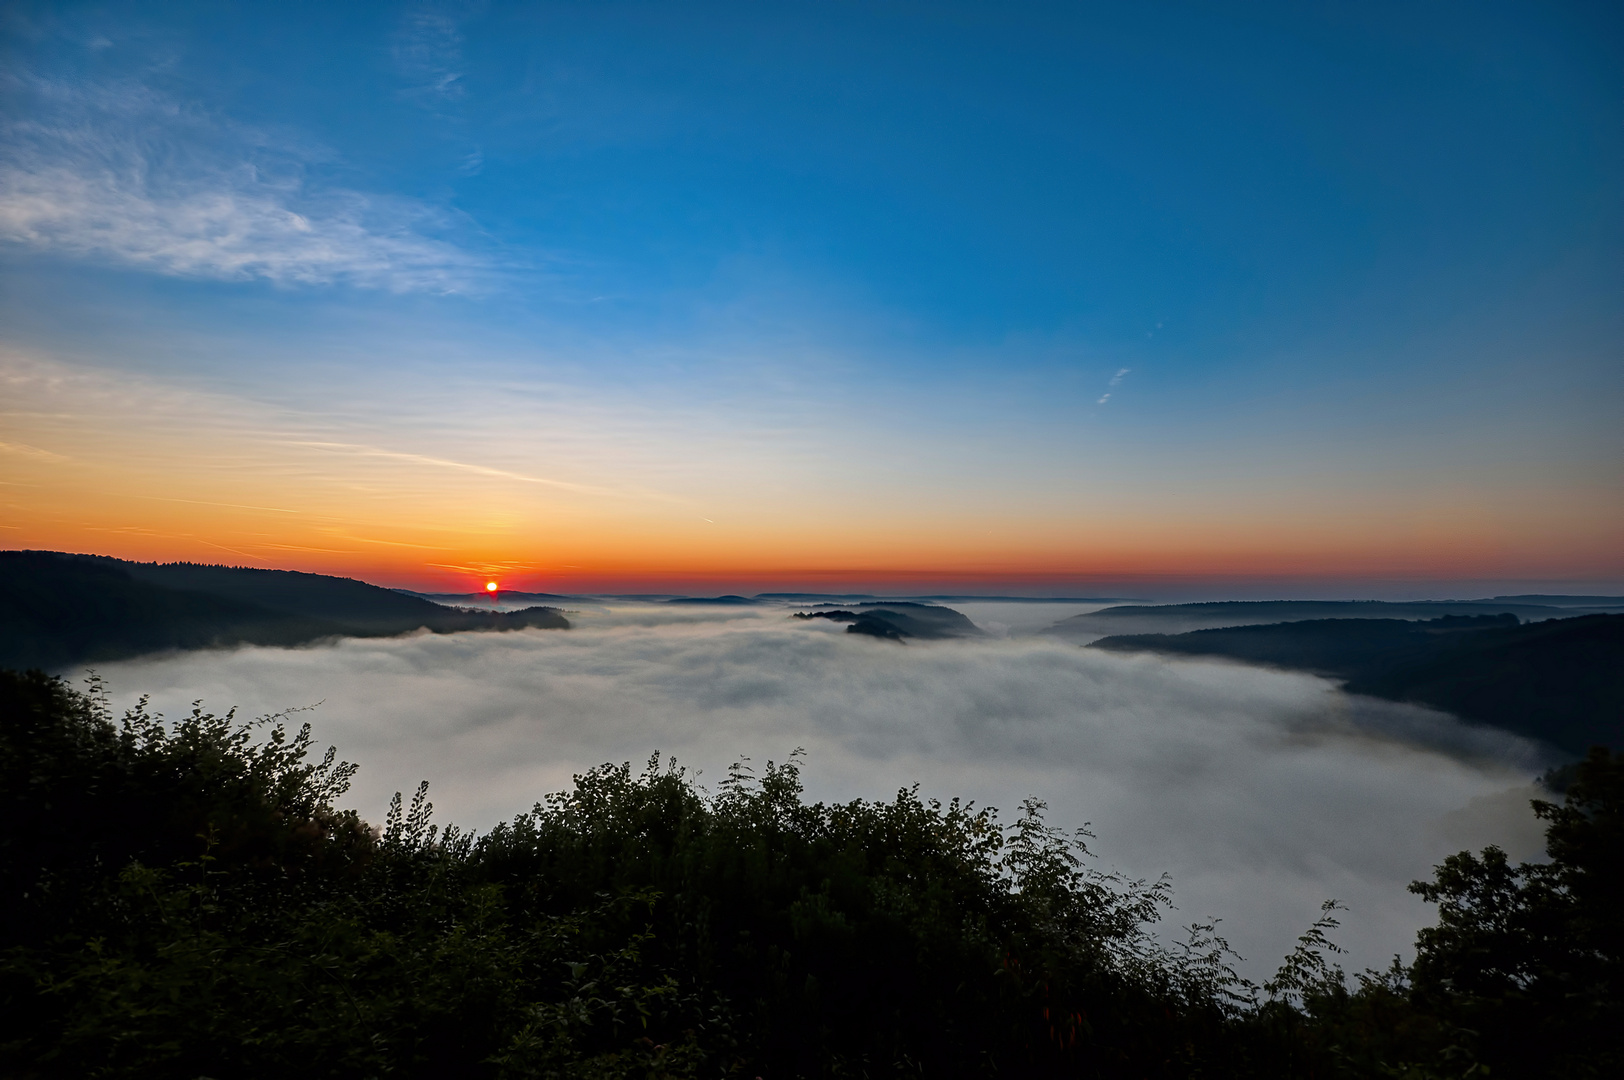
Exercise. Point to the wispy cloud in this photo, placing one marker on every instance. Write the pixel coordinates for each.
(209, 502)
(313, 456)
(34, 452)
(1115, 381)
(428, 50)
(123, 174)
(444, 463)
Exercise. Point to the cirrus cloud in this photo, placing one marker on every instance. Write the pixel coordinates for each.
(123, 174)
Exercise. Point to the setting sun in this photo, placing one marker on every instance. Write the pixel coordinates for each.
(490, 586)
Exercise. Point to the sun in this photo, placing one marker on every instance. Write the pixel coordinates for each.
(490, 586)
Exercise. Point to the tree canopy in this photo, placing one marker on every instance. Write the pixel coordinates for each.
(185, 898)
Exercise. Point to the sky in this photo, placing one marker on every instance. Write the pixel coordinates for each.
(1278, 299)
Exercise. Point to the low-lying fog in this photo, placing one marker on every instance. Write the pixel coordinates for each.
(1260, 792)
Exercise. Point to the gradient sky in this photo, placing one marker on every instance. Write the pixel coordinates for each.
(1022, 297)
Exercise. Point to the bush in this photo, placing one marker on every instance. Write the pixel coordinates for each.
(186, 900)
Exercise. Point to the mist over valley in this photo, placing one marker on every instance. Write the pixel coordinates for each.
(1261, 792)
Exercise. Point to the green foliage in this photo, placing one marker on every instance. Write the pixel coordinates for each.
(185, 900)
(1519, 977)
(1528, 959)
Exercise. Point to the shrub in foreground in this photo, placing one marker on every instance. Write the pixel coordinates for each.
(185, 900)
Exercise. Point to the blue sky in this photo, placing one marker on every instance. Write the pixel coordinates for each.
(1086, 270)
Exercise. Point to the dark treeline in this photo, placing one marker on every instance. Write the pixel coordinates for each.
(59, 610)
(184, 899)
(1560, 680)
(899, 620)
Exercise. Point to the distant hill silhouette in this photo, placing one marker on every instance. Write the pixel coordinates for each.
(58, 610)
(1565, 600)
(944, 598)
(1181, 618)
(1559, 680)
(483, 598)
(899, 620)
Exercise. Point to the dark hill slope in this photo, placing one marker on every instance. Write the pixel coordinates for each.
(55, 612)
(58, 610)
(1560, 680)
(358, 606)
(1181, 618)
(899, 620)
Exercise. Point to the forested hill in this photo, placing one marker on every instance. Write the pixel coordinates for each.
(1181, 618)
(58, 610)
(1560, 680)
(898, 620)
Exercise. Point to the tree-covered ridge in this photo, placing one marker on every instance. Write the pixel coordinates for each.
(1559, 680)
(58, 610)
(899, 620)
(185, 899)
(1218, 614)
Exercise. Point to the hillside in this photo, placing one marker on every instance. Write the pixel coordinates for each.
(899, 620)
(1183, 618)
(1559, 680)
(59, 610)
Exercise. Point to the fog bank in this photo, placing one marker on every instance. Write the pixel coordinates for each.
(1260, 792)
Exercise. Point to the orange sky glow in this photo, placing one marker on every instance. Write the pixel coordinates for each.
(146, 471)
